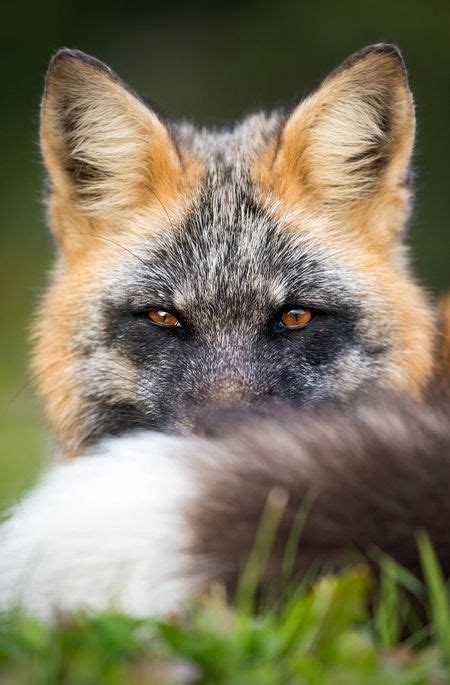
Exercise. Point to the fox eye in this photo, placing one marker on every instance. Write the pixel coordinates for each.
(162, 317)
(293, 319)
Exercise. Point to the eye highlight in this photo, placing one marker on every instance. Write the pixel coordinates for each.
(164, 318)
(293, 319)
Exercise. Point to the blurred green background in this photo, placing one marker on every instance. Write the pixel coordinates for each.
(209, 62)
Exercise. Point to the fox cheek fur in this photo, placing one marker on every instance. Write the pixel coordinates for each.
(226, 228)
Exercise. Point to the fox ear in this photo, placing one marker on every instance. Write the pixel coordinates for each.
(351, 140)
(103, 147)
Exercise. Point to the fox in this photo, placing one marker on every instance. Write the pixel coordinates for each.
(231, 323)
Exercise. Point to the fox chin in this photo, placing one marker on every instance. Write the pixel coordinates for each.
(258, 276)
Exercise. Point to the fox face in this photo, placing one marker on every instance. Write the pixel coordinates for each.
(257, 265)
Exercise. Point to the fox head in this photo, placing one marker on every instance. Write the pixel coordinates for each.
(196, 268)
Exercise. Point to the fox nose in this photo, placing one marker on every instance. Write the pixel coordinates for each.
(231, 391)
(230, 388)
(215, 422)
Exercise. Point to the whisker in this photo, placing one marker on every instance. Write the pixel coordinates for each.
(163, 208)
(112, 242)
(29, 381)
(132, 381)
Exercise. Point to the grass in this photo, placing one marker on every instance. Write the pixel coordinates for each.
(347, 629)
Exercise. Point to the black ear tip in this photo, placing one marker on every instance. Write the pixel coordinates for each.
(67, 55)
(371, 52)
(389, 49)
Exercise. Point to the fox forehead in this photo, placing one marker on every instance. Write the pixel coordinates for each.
(222, 150)
(231, 240)
(230, 250)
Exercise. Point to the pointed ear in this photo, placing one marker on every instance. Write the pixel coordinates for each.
(104, 149)
(351, 140)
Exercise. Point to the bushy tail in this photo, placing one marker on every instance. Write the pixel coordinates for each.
(356, 483)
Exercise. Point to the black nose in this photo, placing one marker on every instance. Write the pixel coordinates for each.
(219, 421)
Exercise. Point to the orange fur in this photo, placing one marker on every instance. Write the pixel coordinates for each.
(444, 338)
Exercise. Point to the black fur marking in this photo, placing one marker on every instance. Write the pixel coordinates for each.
(114, 419)
(223, 265)
(376, 153)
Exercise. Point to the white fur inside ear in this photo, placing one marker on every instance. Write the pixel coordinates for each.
(103, 531)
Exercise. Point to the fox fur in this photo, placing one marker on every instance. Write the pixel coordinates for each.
(228, 229)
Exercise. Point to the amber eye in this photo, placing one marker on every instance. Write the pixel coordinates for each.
(161, 317)
(296, 318)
